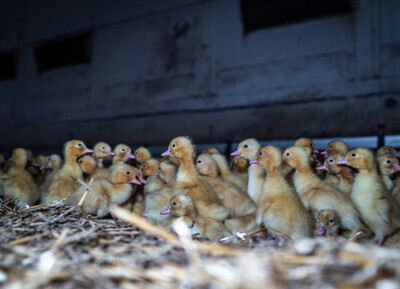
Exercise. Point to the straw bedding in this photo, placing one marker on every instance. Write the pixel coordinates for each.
(55, 246)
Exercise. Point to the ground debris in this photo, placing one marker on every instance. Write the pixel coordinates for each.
(54, 246)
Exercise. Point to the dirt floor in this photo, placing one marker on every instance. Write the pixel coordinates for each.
(55, 246)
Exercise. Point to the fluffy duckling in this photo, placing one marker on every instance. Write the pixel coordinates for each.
(53, 164)
(18, 183)
(248, 149)
(65, 181)
(342, 177)
(336, 147)
(182, 206)
(317, 195)
(328, 223)
(157, 200)
(227, 174)
(240, 166)
(100, 151)
(116, 190)
(142, 154)
(189, 182)
(306, 143)
(294, 220)
(237, 202)
(370, 196)
(122, 154)
(89, 165)
(149, 167)
(388, 165)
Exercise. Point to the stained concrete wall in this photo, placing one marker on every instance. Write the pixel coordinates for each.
(173, 67)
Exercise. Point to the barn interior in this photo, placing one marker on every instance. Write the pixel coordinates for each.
(141, 73)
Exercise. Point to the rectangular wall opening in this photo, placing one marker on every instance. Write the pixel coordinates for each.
(260, 14)
(63, 52)
(8, 65)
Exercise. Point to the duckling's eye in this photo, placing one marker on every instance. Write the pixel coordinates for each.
(79, 144)
(331, 221)
(128, 173)
(388, 161)
(103, 148)
(199, 161)
(353, 155)
(245, 146)
(144, 166)
(123, 150)
(330, 161)
(330, 146)
(287, 154)
(260, 153)
(173, 145)
(174, 203)
(80, 161)
(136, 153)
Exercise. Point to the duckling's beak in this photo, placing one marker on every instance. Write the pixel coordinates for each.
(110, 153)
(324, 168)
(88, 151)
(321, 230)
(323, 153)
(166, 211)
(166, 153)
(254, 162)
(135, 181)
(131, 156)
(342, 162)
(143, 181)
(236, 153)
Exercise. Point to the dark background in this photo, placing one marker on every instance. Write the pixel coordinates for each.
(143, 72)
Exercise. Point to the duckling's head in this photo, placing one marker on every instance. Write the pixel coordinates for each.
(328, 223)
(361, 158)
(181, 205)
(87, 164)
(142, 154)
(296, 156)
(211, 151)
(75, 148)
(270, 158)
(239, 164)
(20, 157)
(54, 162)
(123, 173)
(181, 147)
(386, 150)
(331, 163)
(149, 167)
(122, 151)
(388, 164)
(102, 150)
(337, 147)
(247, 149)
(305, 142)
(40, 161)
(167, 171)
(206, 166)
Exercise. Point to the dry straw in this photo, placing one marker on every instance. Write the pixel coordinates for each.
(56, 246)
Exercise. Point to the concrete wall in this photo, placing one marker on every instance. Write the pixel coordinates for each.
(173, 67)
